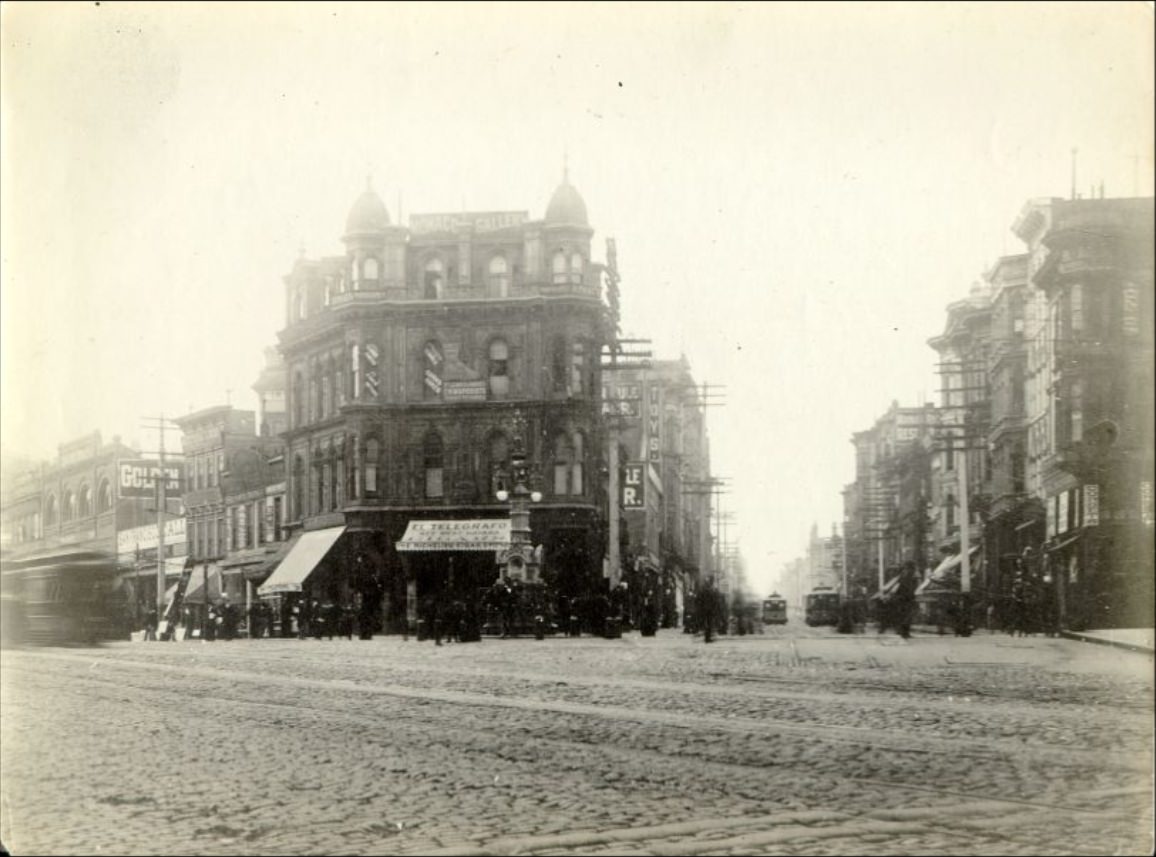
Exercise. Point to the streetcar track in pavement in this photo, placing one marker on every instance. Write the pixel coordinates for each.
(950, 796)
(995, 749)
(872, 821)
(855, 735)
(960, 702)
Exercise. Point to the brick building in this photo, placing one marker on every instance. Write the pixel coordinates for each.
(408, 358)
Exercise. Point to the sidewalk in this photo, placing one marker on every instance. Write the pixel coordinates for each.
(1132, 639)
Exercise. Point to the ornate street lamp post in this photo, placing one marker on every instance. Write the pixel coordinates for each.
(519, 561)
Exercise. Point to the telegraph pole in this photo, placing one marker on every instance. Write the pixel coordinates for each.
(161, 425)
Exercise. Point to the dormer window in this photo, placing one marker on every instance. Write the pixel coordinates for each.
(434, 278)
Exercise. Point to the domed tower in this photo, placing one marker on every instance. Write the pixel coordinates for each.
(370, 244)
(566, 234)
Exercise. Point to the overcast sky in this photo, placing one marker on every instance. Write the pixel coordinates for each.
(796, 190)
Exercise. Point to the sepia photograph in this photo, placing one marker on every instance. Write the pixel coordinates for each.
(577, 428)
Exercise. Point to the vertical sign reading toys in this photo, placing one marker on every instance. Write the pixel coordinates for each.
(654, 423)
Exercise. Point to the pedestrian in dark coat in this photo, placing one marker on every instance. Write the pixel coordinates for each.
(903, 600)
(705, 605)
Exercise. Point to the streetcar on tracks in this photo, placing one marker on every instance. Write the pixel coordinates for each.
(774, 610)
(822, 607)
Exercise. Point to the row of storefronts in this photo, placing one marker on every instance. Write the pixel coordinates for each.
(432, 421)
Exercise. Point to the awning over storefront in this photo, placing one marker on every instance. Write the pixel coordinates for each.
(488, 534)
(302, 559)
(174, 565)
(945, 577)
(951, 563)
(195, 593)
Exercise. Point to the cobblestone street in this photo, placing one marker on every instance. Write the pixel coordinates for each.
(790, 742)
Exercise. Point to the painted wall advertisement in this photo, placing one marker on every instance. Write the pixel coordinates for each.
(138, 477)
(634, 485)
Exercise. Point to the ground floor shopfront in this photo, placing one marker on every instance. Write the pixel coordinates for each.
(362, 562)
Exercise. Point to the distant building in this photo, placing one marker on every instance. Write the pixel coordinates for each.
(234, 499)
(664, 461)
(887, 509)
(1090, 405)
(100, 499)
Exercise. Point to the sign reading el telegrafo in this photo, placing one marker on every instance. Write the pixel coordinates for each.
(138, 477)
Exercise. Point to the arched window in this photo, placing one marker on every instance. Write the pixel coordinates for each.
(434, 277)
(84, 502)
(499, 277)
(561, 275)
(103, 497)
(577, 266)
(355, 372)
(558, 371)
(327, 295)
(50, 511)
(338, 457)
(370, 269)
(67, 507)
(372, 454)
(498, 462)
(354, 275)
(563, 459)
(298, 399)
(433, 364)
(314, 392)
(499, 368)
(432, 463)
(298, 486)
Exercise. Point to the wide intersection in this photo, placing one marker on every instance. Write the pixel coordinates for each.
(793, 741)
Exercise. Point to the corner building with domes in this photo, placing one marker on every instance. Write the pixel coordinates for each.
(418, 363)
